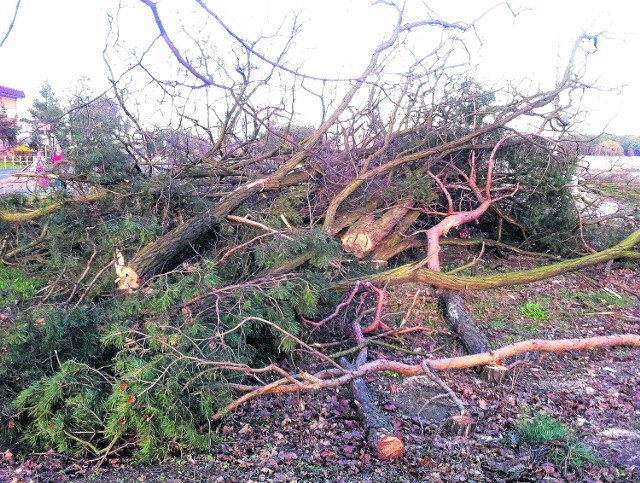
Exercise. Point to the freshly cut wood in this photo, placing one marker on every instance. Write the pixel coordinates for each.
(390, 447)
(397, 242)
(365, 234)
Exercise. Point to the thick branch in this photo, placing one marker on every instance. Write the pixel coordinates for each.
(412, 273)
(333, 378)
(47, 210)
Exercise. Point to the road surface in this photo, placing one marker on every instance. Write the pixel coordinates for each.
(11, 184)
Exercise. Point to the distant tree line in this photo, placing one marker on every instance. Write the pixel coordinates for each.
(606, 145)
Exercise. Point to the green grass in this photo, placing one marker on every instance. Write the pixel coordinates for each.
(541, 429)
(533, 310)
(563, 447)
(498, 323)
(607, 298)
(9, 165)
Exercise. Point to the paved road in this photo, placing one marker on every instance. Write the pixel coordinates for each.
(11, 184)
(4, 173)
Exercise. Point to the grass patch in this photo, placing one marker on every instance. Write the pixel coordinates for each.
(558, 441)
(533, 310)
(498, 323)
(607, 298)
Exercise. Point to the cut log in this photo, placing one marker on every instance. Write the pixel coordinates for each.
(365, 234)
(383, 441)
(472, 337)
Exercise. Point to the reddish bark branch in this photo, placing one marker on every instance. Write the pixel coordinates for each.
(377, 321)
(333, 378)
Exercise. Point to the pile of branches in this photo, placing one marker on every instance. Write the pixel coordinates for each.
(152, 296)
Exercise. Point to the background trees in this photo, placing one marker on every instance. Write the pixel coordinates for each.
(8, 129)
(45, 110)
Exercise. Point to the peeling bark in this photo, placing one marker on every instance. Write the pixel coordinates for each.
(332, 378)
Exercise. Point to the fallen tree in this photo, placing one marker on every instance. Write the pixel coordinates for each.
(239, 240)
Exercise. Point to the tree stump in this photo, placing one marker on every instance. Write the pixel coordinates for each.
(461, 424)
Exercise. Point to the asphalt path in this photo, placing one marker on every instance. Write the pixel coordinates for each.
(4, 173)
(12, 184)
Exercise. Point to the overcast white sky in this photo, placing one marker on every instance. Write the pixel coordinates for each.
(62, 40)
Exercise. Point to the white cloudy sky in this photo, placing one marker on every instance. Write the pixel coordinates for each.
(62, 40)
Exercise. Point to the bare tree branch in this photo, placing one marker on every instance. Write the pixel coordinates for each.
(11, 25)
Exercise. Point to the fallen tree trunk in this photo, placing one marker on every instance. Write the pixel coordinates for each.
(473, 339)
(380, 434)
(397, 242)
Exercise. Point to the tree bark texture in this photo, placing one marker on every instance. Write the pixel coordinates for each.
(395, 242)
(380, 434)
(473, 339)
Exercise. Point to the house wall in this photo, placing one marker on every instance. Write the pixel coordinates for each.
(10, 104)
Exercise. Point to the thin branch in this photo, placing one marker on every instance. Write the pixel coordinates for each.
(332, 378)
(13, 21)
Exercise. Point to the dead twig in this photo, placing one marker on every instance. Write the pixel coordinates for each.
(443, 385)
(86, 270)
